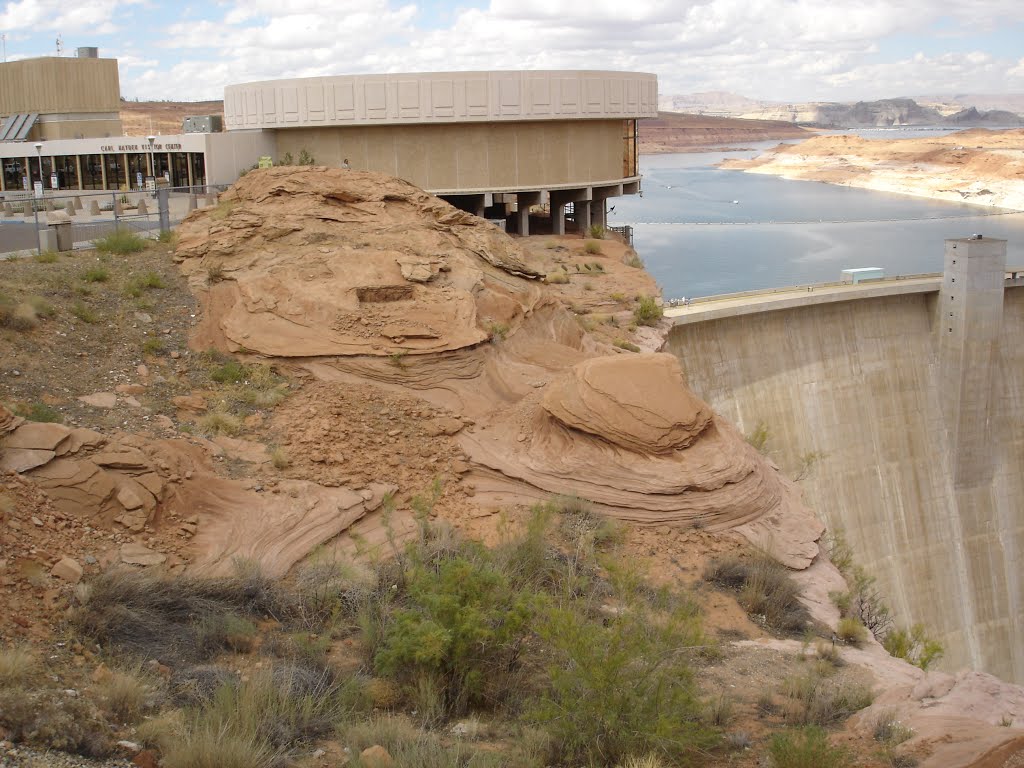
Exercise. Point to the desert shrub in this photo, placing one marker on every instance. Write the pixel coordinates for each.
(161, 731)
(759, 437)
(260, 386)
(153, 346)
(174, 619)
(261, 720)
(17, 665)
(497, 331)
(53, 721)
(279, 458)
(806, 748)
(194, 685)
(454, 639)
(557, 278)
(220, 422)
(633, 260)
(914, 645)
(592, 247)
(596, 231)
(121, 243)
(764, 588)
(46, 257)
(42, 307)
(40, 412)
(819, 697)
(138, 285)
(851, 631)
(18, 316)
(411, 747)
(127, 695)
(627, 345)
(96, 275)
(168, 236)
(647, 311)
(720, 710)
(230, 372)
(889, 730)
(85, 313)
(620, 687)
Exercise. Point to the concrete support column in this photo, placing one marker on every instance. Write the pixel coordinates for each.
(78, 172)
(557, 216)
(599, 214)
(523, 202)
(583, 217)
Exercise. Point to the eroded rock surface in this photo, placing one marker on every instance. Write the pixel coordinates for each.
(316, 261)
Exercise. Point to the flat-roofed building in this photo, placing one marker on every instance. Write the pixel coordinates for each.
(59, 98)
(492, 142)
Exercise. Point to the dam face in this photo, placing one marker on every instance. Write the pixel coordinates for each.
(915, 404)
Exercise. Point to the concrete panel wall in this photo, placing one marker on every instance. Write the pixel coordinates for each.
(75, 127)
(229, 154)
(465, 157)
(440, 97)
(861, 381)
(64, 85)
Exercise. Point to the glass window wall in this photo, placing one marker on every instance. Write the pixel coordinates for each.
(115, 171)
(198, 168)
(14, 170)
(92, 171)
(67, 172)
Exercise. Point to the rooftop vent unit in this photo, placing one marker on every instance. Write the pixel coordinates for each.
(203, 124)
(88, 52)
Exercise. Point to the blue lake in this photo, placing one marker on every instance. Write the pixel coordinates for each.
(697, 241)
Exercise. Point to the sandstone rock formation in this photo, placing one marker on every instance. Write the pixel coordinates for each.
(316, 261)
(343, 269)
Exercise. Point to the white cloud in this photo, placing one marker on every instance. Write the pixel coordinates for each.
(779, 49)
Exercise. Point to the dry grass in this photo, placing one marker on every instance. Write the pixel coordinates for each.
(766, 590)
(17, 666)
(851, 631)
(220, 423)
(127, 694)
(279, 458)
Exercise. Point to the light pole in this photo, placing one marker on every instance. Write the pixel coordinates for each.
(152, 162)
(35, 201)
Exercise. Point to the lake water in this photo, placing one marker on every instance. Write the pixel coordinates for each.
(697, 241)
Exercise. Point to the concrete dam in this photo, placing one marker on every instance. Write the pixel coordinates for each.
(911, 393)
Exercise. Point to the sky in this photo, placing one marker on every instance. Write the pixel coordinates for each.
(782, 50)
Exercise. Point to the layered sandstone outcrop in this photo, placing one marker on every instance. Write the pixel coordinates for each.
(301, 262)
(349, 271)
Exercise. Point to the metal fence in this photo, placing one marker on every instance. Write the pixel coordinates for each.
(62, 221)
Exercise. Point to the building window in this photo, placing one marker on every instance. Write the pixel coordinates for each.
(138, 167)
(198, 168)
(115, 171)
(67, 173)
(14, 169)
(179, 169)
(92, 171)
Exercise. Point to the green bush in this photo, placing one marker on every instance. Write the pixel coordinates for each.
(456, 637)
(136, 286)
(759, 437)
(806, 748)
(592, 247)
(820, 697)
(647, 311)
(85, 313)
(46, 257)
(914, 645)
(851, 631)
(230, 372)
(121, 243)
(596, 231)
(41, 412)
(96, 275)
(621, 687)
